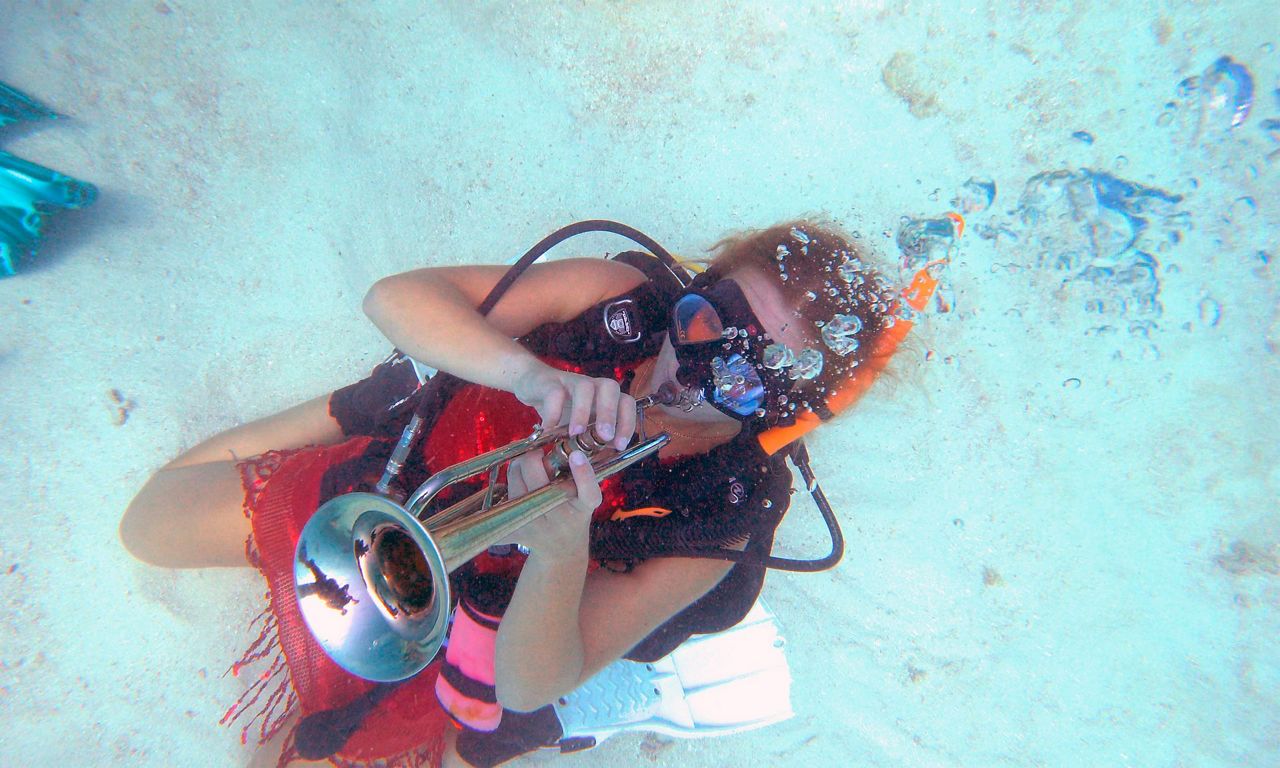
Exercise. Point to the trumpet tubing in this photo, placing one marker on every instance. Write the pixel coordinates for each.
(372, 576)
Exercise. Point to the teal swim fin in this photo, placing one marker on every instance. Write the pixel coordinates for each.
(29, 193)
(15, 106)
(712, 685)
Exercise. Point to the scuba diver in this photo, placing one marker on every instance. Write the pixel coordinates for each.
(784, 328)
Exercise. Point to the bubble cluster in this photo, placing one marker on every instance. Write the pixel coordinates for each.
(839, 297)
(725, 378)
(924, 240)
(778, 356)
(839, 334)
(1102, 230)
(807, 366)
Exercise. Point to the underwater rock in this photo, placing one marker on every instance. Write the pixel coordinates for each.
(903, 76)
(1244, 558)
(121, 406)
(29, 193)
(1226, 93)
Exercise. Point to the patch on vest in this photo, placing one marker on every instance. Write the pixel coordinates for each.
(621, 321)
(737, 491)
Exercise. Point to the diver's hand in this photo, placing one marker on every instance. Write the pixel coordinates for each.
(562, 531)
(550, 390)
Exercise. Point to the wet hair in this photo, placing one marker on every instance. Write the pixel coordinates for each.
(822, 273)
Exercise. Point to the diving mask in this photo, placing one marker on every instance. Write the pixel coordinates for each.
(722, 350)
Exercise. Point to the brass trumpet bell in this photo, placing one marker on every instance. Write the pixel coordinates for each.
(372, 576)
(367, 575)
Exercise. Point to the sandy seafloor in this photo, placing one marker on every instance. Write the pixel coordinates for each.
(1062, 519)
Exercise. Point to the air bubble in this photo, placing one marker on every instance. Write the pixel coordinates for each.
(807, 366)
(975, 196)
(839, 334)
(1226, 93)
(924, 240)
(778, 356)
(1210, 311)
(800, 235)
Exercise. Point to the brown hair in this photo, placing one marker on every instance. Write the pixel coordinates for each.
(822, 273)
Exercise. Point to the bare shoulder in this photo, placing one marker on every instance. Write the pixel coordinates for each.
(553, 291)
(603, 277)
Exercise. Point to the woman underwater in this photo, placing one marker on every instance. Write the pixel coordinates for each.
(786, 327)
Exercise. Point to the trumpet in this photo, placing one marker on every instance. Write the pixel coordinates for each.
(372, 574)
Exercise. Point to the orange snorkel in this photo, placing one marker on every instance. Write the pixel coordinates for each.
(916, 296)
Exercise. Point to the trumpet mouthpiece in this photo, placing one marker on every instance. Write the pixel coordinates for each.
(667, 394)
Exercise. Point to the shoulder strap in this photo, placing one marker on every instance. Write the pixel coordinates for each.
(668, 278)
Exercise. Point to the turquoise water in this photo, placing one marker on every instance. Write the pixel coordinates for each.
(1064, 547)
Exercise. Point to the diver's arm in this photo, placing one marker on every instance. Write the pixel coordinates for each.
(562, 626)
(430, 314)
(560, 629)
(301, 425)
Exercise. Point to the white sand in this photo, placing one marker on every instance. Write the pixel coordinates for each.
(1036, 574)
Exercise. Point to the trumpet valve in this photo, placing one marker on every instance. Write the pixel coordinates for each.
(589, 442)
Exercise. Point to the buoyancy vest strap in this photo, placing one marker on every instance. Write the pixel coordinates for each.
(564, 233)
